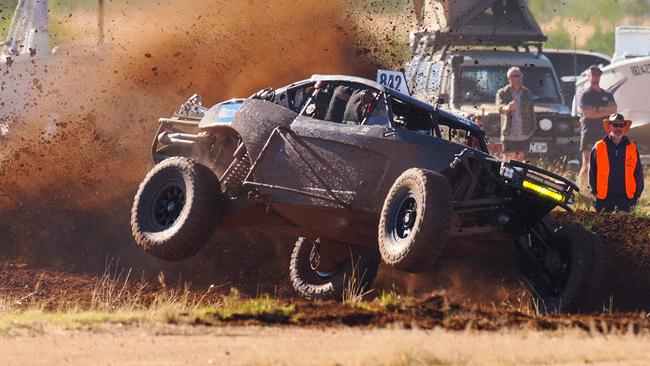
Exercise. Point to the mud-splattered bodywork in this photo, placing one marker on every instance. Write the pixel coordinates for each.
(284, 166)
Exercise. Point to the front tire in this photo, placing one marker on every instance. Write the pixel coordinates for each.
(175, 208)
(415, 220)
(350, 277)
(568, 273)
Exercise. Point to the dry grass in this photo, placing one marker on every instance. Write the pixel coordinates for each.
(354, 291)
(117, 299)
(114, 291)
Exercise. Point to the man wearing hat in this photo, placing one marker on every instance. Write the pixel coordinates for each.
(615, 172)
(595, 104)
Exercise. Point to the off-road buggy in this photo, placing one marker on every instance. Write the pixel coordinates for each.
(360, 174)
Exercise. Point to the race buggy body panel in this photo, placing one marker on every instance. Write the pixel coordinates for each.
(342, 170)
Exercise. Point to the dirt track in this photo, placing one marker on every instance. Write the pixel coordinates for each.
(338, 346)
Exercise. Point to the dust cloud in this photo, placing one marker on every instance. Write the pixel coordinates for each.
(78, 142)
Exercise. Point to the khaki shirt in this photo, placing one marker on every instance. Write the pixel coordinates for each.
(527, 113)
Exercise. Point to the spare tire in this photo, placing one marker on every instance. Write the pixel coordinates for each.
(415, 220)
(572, 267)
(175, 208)
(353, 275)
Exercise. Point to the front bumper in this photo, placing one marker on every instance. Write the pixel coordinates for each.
(539, 182)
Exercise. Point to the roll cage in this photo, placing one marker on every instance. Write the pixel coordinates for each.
(330, 99)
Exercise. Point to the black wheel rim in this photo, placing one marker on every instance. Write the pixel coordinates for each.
(553, 262)
(314, 263)
(404, 218)
(167, 204)
(557, 262)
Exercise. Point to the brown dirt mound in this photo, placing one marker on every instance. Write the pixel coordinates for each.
(435, 310)
(626, 271)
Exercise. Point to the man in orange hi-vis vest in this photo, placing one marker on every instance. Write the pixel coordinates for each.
(615, 171)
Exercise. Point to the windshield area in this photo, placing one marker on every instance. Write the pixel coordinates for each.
(434, 123)
(566, 64)
(410, 117)
(480, 84)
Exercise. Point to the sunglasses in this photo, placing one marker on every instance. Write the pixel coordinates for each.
(617, 125)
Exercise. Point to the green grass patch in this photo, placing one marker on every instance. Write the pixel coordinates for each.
(38, 320)
(559, 38)
(389, 300)
(167, 308)
(588, 10)
(264, 308)
(601, 41)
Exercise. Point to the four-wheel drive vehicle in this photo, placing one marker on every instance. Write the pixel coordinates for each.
(569, 64)
(467, 81)
(360, 174)
(461, 52)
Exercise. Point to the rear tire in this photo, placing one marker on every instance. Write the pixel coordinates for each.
(415, 220)
(360, 267)
(175, 208)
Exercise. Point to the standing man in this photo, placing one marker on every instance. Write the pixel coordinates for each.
(595, 105)
(615, 173)
(515, 105)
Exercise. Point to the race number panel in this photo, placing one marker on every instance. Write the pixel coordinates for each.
(393, 80)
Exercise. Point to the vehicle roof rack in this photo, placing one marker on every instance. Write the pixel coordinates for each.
(476, 23)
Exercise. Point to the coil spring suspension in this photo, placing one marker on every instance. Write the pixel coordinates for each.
(234, 176)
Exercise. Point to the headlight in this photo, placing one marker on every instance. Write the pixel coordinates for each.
(543, 191)
(507, 171)
(545, 124)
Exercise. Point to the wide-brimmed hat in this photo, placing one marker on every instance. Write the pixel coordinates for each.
(616, 117)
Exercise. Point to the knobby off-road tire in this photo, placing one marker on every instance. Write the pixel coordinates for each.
(361, 268)
(585, 262)
(175, 210)
(415, 220)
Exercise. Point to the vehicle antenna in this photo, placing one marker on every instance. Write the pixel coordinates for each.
(575, 56)
(100, 22)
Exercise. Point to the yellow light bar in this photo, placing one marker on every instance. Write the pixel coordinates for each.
(544, 191)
